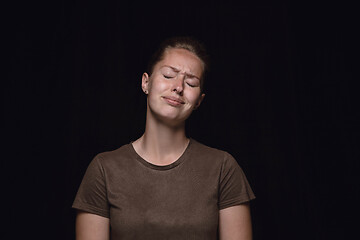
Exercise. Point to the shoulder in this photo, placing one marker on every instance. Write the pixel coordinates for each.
(212, 153)
(113, 158)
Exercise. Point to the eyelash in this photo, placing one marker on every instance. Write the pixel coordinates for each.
(169, 77)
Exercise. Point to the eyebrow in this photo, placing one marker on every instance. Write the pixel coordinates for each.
(178, 70)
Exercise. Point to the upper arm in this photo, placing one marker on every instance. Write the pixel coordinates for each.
(92, 227)
(235, 223)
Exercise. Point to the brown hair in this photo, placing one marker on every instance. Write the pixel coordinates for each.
(188, 43)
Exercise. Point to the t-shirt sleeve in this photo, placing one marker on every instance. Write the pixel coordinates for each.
(234, 187)
(92, 194)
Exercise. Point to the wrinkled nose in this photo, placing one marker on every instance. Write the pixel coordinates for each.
(178, 85)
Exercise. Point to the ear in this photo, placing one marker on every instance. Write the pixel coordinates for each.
(201, 98)
(145, 79)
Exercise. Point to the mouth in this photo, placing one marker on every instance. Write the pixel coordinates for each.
(173, 101)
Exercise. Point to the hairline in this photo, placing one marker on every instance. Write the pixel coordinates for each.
(187, 49)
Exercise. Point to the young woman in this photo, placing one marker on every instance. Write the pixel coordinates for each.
(165, 185)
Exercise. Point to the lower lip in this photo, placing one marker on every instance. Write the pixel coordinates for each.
(172, 102)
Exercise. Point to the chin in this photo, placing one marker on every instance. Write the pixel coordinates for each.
(171, 116)
(173, 120)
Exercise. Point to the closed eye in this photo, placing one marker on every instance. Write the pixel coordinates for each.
(167, 76)
(192, 82)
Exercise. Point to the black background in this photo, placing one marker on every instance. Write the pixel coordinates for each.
(281, 97)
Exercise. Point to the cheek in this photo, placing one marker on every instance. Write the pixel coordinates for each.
(193, 98)
(158, 86)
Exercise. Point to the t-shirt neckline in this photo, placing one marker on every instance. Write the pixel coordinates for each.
(162, 167)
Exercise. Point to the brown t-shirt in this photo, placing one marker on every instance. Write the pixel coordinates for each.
(178, 201)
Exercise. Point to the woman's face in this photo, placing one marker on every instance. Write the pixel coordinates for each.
(174, 86)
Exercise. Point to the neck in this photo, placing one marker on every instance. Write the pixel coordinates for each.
(161, 144)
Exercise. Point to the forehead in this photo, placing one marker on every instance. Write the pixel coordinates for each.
(183, 60)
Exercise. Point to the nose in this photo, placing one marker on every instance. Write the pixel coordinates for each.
(178, 85)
